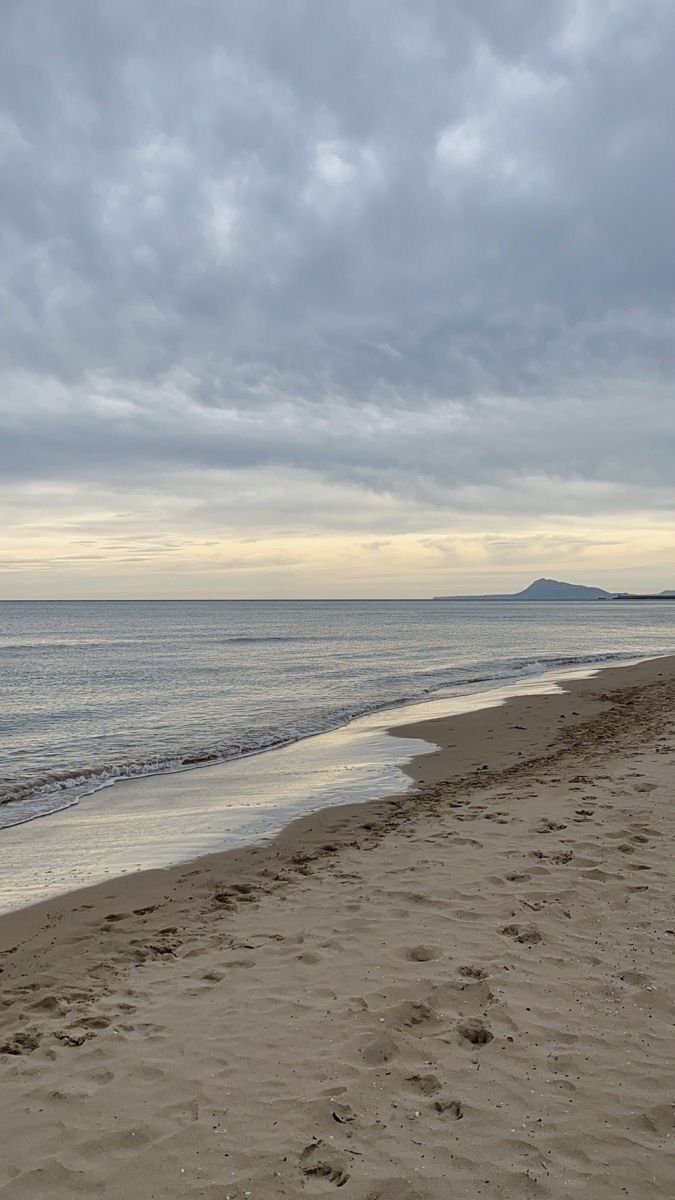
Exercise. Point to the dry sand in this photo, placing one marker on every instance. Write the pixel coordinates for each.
(463, 992)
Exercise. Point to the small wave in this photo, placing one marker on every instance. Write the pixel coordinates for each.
(38, 646)
(512, 668)
(251, 639)
(19, 812)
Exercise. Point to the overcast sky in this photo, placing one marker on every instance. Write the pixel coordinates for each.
(305, 298)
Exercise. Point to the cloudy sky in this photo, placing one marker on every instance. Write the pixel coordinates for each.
(305, 298)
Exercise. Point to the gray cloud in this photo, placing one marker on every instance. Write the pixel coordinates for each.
(419, 250)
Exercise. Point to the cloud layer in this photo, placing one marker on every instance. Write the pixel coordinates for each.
(275, 273)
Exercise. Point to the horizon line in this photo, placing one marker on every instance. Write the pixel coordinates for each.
(497, 597)
(210, 599)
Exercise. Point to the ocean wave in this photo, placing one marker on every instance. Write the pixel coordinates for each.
(58, 790)
(243, 639)
(39, 646)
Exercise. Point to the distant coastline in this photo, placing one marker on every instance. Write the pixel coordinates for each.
(644, 596)
(558, 599)
(556, 590)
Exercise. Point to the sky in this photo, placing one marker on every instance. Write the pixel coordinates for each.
(369, 299)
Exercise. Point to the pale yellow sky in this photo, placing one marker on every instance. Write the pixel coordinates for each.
(104, 553)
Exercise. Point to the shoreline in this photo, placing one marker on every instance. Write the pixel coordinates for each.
(441, 761)
(171, 819)
(474, 976)
(92, 783)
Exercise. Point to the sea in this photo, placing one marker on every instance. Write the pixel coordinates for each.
(96, 692)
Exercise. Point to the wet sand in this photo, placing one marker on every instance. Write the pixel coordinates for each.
(463, 991)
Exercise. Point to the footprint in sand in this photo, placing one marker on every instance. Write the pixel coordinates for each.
(381, 1050)
(449, 1108)
(561, 859)
(475, 1031)
(465, 997)
(527, 935)
(167, 946)
(343, 1113)
(428, 1085)
(659, 1120)
(319, 1161)
(472, 972)
(94, 1022)
(636, 979)
(412, 1013)
(599, 874)
(53, 1006)
(73, 1039)
(420, 954)
(242, 890)
(238, 893)
(23, 1042)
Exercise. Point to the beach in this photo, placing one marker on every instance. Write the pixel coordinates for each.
(464, 990)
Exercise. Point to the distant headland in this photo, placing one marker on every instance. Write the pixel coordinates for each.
(557, 589)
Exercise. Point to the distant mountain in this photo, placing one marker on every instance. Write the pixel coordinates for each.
(545, 589)
(555, 589)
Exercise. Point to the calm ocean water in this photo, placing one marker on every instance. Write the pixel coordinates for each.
(91, 692)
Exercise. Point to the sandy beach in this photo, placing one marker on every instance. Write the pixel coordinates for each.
(463, 991)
